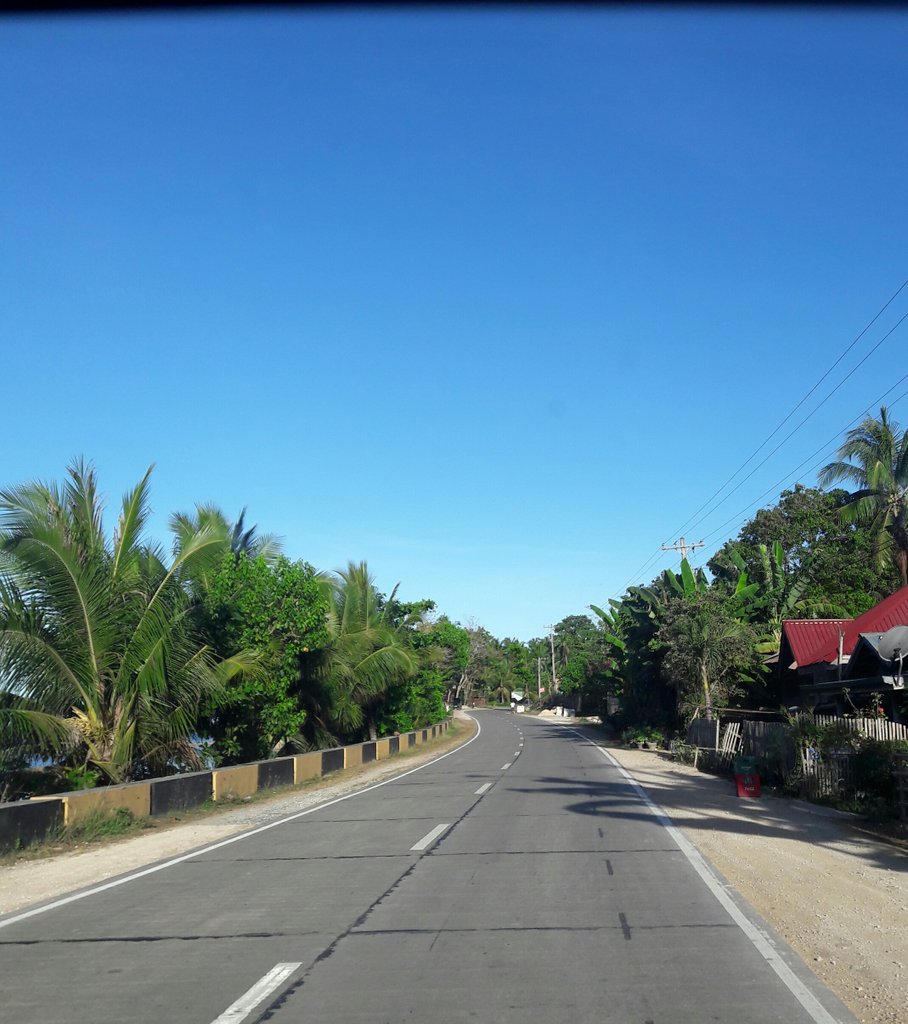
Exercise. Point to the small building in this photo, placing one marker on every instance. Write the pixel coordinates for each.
(821, 659)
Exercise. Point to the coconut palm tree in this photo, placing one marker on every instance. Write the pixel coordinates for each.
(366, 653)
(241, 541)
(96, 648)
(874, 457)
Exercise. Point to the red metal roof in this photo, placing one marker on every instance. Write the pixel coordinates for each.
(893, 611)
(816, 640)
(808, 636)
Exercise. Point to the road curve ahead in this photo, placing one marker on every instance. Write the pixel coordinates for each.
(521, 878)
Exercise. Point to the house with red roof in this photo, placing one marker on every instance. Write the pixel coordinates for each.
(819, 659)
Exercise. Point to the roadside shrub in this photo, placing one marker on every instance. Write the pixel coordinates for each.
(643, 736)
(874, 764)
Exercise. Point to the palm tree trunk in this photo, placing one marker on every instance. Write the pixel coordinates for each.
(707, 693)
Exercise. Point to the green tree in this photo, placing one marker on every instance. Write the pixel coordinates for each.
(874, 457)
(831, 561)
(366, 652)
(445, 646)
(706, 650)
(582, 658)
(95, 641)
(278, 609)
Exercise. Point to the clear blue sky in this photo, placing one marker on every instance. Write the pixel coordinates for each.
(493, 299)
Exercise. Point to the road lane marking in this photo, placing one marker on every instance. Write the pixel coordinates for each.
(505, 767)
(75, 897)
(431, 837)
(761, 941)
(484, 788)
(516, 753)
(241, 1009)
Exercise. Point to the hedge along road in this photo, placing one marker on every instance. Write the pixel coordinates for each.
(521, 877)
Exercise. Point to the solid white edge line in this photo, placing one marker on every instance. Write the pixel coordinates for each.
(247, 1002)
(484, 788)
(505, 767)
(430, 837)
(232, 839)
(761, 941)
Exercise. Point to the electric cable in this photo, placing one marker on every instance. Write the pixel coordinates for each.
(692, 521)
(823, 448)
(816, 408)
(804, 398)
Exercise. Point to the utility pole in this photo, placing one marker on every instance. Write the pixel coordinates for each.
(682, 546)
(552, 643)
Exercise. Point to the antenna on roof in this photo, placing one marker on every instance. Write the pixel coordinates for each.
(894, 645)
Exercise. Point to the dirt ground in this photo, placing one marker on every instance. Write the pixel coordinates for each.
(839, 897)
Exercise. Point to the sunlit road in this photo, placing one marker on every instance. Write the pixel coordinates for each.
(521, 878)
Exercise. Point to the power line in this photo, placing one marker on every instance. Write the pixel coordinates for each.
(823, 448)
(690, 521)
(770, 436)
(791, 433)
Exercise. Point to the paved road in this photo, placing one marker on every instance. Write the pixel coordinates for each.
(521, 878)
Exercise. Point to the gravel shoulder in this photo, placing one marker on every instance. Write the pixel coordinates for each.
(837, 896)
(31, 881)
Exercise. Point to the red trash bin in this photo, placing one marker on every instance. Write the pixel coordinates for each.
(748, 785)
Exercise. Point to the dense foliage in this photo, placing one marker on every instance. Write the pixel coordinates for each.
(117, 661)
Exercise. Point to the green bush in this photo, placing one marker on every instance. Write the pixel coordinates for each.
(874, 764)
(643, 736)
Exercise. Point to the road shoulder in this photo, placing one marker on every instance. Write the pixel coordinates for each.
(839, 898)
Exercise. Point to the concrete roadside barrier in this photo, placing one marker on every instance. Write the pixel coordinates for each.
(180, 792)
(280, 771)
(134, 797)
(235, 782)
(24, 822)
(29, 821)
(353, 755)
(307, 766)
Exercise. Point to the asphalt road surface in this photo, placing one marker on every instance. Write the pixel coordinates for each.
(520, 878)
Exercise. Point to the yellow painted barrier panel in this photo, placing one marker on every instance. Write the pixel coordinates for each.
(382, 749)
(353, 756)
(237, 781)
(307, 766)
(134, 797)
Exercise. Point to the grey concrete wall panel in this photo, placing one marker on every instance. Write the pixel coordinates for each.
(278, 772)
(394, 745)
(28, 821)
(180, 792)
(332, 760)
(368, 752)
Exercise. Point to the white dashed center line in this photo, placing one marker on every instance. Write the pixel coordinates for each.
(241, 1009)
(427, 840)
